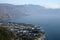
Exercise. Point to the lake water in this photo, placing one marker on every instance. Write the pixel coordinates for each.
(49, 23)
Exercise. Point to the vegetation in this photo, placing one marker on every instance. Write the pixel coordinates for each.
(6, 34)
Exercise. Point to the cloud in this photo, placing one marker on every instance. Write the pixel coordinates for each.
(53, 6)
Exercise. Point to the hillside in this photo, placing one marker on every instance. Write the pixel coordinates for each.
(8, 11)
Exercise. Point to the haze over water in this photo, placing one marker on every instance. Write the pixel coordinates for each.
(49, 23)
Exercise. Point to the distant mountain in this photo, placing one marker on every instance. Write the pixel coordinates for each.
(11, 11)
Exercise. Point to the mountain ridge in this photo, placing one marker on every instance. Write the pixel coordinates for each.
(21, 10)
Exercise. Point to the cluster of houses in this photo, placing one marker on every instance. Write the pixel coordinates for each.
(25, 31)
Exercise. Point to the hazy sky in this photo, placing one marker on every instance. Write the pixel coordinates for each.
(45, 3)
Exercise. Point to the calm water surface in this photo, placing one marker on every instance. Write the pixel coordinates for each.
(50, 24)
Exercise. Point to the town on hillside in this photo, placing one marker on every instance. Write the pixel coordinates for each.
(24, 31)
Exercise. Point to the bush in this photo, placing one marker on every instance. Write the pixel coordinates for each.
(6, 34)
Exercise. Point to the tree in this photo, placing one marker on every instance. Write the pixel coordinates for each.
(6, 34)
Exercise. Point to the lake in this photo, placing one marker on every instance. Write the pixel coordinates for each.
(49, 23)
